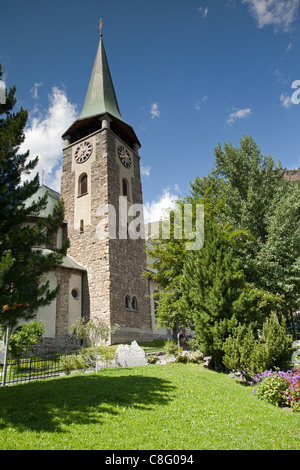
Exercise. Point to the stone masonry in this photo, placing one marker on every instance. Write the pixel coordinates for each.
(114, 267)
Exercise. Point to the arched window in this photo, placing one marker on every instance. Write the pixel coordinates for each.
(127, 302)
(83, 184)
(134, 303)
(125, 188)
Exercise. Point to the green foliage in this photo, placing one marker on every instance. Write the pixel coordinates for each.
(167, 255)
(88, 357)
(153, 359)
(23, 286)
(181, 357)
(193, 344)
(23, 340)
(94, 332)
(247, 181)
(173, 407)
(194, 357)
(258, 198)
(273, 390)
(107, 354)
(279, 388)
(247, 349)
(170, 347)
(72, 362)
(215, 289)
(279, 257)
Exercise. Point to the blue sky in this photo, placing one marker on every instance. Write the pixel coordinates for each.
(188, 74)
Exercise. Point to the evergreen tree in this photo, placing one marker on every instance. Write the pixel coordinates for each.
(259, 199)
(247, 181)
(215, 290)
(168, 257)
(23, 264)
(279, 258)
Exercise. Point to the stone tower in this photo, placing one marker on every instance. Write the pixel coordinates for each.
(101, 188)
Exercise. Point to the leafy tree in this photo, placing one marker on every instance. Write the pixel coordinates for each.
(94, 332)
(247, 181)
(279, 258)
(23, 287)
(259, 199)
(168, 254)
(215, 289)
(25, 338)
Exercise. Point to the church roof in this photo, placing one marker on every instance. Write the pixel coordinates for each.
(67, 262)
(101, 97)
(53, 198)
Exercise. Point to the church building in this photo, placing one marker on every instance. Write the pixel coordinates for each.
(101, 276)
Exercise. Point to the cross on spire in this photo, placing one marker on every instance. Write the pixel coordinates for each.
(100, 26)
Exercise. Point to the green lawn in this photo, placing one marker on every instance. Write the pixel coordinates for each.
(157, 407)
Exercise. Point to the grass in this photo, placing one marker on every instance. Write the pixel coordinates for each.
(157, 407)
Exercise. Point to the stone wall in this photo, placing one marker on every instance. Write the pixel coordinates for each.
(62, 338)
(114, 267)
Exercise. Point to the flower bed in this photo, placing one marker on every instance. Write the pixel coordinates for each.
(279, 388)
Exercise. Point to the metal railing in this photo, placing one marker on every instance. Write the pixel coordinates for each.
(34, 367)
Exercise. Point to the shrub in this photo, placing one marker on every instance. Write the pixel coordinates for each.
(193, 344)
(107, 354)
(25, 338)
(181, 357)
(246, 350)
(279, 388)
(88, 357)
(69, 363)
(153, 359)
(170, 347)
(194, 357)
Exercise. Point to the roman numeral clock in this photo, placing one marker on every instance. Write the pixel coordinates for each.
(83, 152)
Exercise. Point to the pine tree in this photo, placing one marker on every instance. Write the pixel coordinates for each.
(215, 289)
(23, 264)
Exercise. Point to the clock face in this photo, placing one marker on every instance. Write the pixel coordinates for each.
(83, 152)
(124, 156)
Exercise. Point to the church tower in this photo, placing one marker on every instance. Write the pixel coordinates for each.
(102, 193)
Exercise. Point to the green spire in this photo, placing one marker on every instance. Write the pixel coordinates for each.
(101, 97)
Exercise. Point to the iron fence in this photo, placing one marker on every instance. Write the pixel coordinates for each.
(34, 367)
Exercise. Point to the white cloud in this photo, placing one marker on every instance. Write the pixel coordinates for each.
(286, 100)
(203, 11)
(239, 114)
(34, 90)
(280, 77)
(155, 113)
(154, 211)
(43, 137)
(198, 104)
(280, 13)
(145, 170)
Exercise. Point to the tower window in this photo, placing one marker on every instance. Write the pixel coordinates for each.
(134, 303)
(83, 184)
(125, 188)
(127, 302)
(81, 227)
